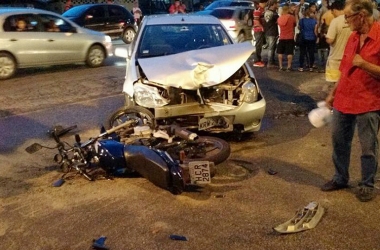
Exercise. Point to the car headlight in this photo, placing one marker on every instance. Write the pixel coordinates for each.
(148, 96)
(249, 93)
(108, 39)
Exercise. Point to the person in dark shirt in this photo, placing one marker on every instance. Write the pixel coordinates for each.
(271, 30)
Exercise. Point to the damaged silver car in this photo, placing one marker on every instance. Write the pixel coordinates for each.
(186, 69)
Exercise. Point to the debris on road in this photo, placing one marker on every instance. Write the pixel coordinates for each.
(99, 243)
(177, 237)
(305, 218)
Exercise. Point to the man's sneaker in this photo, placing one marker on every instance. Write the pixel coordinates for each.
(365, 193)
(300, 69)
(332, 186)
(259, 64)
(311, 69)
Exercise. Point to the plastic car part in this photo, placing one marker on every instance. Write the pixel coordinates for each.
(99, 243)
(305, 218)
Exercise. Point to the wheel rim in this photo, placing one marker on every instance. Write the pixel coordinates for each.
(136, 116)
(7, 67)
(129, 35)
(96, 56)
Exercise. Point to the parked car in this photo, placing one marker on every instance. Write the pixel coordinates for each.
(33, 37)
(237, 20)
(111, 19)
(187, 69)
(225, 3)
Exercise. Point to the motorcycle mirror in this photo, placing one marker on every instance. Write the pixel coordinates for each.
(33, 148)
(58, 182)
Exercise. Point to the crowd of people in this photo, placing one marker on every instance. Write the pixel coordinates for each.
(304, 26)
(346, 36)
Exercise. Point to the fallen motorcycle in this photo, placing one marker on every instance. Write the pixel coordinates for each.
(103, 156)
(171, 138)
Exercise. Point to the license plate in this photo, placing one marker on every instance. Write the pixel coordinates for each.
(200, 172)
(206, 123)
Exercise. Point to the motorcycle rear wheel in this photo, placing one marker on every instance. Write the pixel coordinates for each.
(214, 149)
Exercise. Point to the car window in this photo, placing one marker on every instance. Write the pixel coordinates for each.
(54, 24)
(222, 13)
(115, 11)
(21, 23)
(161, 40)
(96, 12)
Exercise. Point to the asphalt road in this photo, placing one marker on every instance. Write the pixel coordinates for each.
(238, 211)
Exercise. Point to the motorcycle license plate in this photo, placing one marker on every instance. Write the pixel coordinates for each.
(206, 123)
(200, 172)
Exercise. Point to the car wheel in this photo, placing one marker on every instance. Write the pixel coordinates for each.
(241, 37)
(95, 56)
(7, 66)
(128, 35)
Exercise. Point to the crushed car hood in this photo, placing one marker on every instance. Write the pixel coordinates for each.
(197, 68)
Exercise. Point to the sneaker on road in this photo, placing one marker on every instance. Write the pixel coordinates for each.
(333, 186)
(366, 193)
(259, 64)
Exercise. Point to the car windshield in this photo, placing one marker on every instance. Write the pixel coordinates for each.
(222, 13)
(161, 40)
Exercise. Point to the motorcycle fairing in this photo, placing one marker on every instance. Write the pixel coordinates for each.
(197, 68)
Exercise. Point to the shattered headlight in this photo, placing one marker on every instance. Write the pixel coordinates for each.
(249, 93)
(148, 96)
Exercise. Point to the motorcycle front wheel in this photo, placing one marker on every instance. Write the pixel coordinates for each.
(142, 116)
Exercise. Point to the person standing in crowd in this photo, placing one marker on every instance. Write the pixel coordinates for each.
(287, 23)
(271, 30)
(356, 101)
(308, 31)
(137, 13)
(258, 29)
(176, 8)
(300, 10)
(68, 5)
(337, 35)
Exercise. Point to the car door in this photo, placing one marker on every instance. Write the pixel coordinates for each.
(62, 44)
(25, 42)
(116, 20)
(95, 18)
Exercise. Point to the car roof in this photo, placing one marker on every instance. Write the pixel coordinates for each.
(235, 7)
(180, 18)
(16, 10)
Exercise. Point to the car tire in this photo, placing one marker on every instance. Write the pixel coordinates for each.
(128, 35)
(95, 56)
(241, 37)
(8, 65)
